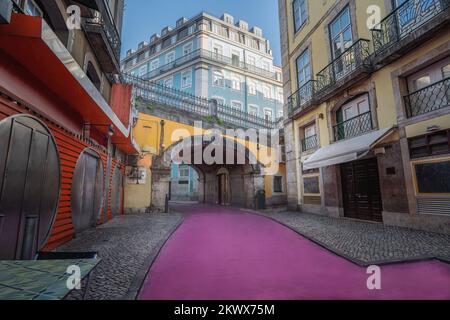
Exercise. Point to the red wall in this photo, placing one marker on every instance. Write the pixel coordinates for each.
(70, 146)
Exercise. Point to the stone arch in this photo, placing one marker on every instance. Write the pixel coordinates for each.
(245, 178)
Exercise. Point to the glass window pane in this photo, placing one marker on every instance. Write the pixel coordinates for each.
(446, 71)
(422, 82)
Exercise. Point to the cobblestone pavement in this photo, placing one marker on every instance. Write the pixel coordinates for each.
(125, 245)
(366, 243)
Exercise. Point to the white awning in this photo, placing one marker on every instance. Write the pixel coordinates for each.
(345, 151)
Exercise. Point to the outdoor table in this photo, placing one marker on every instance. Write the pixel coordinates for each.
(40, 279)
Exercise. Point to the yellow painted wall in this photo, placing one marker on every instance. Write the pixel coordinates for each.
(420, 128)
(268, 182)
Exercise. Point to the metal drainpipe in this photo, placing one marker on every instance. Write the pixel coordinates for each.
(107, 176)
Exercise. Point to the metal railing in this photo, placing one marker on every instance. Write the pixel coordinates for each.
(302, 97)
(428, 99)
(208, 109)
(212, 56)
(109, 29)
(405, 19)
(309, 143)
(353, 127)
(163, 95)
(241, 119)
(355, 56)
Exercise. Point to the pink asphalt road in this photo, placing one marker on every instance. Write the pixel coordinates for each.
(227, 254)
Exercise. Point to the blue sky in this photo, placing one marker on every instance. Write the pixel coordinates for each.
(145, 17)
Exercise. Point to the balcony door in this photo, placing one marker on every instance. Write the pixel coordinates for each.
(353, 118)
(341, 38)
(430, 88)
(412, 13)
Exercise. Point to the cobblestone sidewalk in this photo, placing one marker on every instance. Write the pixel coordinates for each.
(126, 245)
(366, 243)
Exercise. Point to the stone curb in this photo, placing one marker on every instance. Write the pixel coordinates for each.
(356, 261)
(141, 275)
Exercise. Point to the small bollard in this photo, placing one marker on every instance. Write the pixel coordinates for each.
(166, 206)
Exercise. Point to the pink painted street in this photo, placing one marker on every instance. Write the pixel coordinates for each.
(226, 253)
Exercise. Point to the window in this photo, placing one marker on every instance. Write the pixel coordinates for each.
(168, 83)
(267, 92)
(266, 65)
(220, 100)
(446, 71)
(303, 68)
(252, 88)
(280, 114)
(218, 50)
(300, 13)
(236, 83)
(430, 75)
(251, 61)
(277, 184)
(355, 108)
(310, 131)
(170, 57)
(158, 47)
(253, 110)
(432, 144)
(184, 171)
(32, 9)
(173, 39)
(186, 79)
(154, 65)
(234, 36)
(280, 96)
(236, 105)
(341, 33)
(218, 79)
(143, 70)
(268, 115)
(188, 48)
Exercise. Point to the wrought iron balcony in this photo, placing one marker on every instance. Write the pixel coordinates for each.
(405, 19)
(428, 99)
(353, 127)
(212, 56)
(351, 59)
(309, 143)
(178, 99)
(105, 39)
(302, 98)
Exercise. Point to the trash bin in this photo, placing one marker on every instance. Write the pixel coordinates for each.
(260, 200)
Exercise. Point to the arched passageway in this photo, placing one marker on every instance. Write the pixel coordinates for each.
(234, 183)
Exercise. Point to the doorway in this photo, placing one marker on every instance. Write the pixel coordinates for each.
(87, 191)
(29, 186)
(361, 190)
(223, 187)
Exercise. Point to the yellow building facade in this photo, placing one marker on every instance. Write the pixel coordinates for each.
(369, 109)
(148, 180)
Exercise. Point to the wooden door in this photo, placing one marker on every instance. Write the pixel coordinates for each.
(361, 190)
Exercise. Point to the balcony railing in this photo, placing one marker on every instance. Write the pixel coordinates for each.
(309, 143)
(354, 57)
(212, 56)
(405, 19)
(166, 96)
(109, 29)
(353, 127)
(302, 97)
(428, 99)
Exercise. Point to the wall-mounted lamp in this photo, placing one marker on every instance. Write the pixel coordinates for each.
(110, 130)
